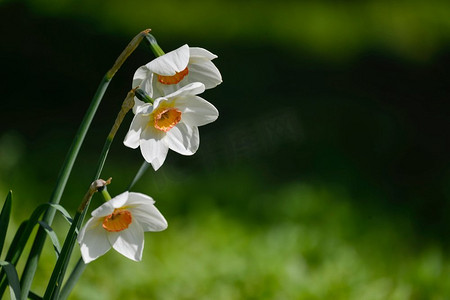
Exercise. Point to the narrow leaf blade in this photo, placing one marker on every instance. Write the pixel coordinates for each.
(4, 219)
(139, 174)
(13, 279)
(63, 211)
(34, 296)
(51, 233)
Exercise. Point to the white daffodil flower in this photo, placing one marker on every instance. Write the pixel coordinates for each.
(173, 70)
(170, 123)
(120, 223)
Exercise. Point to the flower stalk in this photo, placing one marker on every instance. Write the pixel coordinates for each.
(61, 264)
(143, 96)
(167, 113)
(106, 195)
(154, 45)
(57, 277)
(38, 244)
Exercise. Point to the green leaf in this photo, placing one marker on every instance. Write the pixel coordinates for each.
(15, 241)
(139, 174)
(15, 252)
(23, 234)
(55, 282)
(39, 241)
(13, 279)
(73, 279)
(34, 296)
(51, 233)
(63, 211)
(4, 219)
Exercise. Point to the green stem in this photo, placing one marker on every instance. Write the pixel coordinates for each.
(139, 174)
(55, 282)
(38, 244)
(154, 45)
(72, 280)
(106, 195)
(35, 252)
(143, 96)
(63, 259)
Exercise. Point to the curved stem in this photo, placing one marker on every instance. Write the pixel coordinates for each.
(154, 45)
(38, 244)
(35, 252)
(54, 285)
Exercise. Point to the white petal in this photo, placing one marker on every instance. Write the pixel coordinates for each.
(170, 63)
(142, 209)
(135, 199)
(108, 207)
(93, 240)
(152, 148)
(145, 109)
(104, 210)
(205, 72)
(137, 103)
(128, 242)
(139, 76)
(148, 84)
(190, 89)
(158, 102)
(196, 111)
(119, 200)
(182, 139)
(197, 53)
(150, 218)
(158, 89)
(134, 133)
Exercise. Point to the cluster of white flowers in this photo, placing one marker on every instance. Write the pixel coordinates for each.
(174, 80)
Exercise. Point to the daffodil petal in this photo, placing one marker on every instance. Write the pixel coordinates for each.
(139, 76)
(206, 73)
(142, 208)
(134, 133)
(106, 209)
(197, 53)
(196, 111)
(158, 89)
(128, 242)
(150, 218)
(119, 200)
(152, 149)
(137, 103)
(171, 62)
(193, 88)
(183, 139)
(93, 240)
(158, 102)
(136, 199)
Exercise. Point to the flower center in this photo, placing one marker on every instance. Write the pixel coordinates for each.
(166, 118)
(174, 79)
(119, 220)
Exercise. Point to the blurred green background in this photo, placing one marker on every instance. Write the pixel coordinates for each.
(326, 176)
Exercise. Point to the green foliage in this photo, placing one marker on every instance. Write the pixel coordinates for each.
(4, 219)
(304, 241)
(22, 236)
(13, 279)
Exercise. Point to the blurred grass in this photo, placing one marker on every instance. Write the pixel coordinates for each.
(231, 236)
